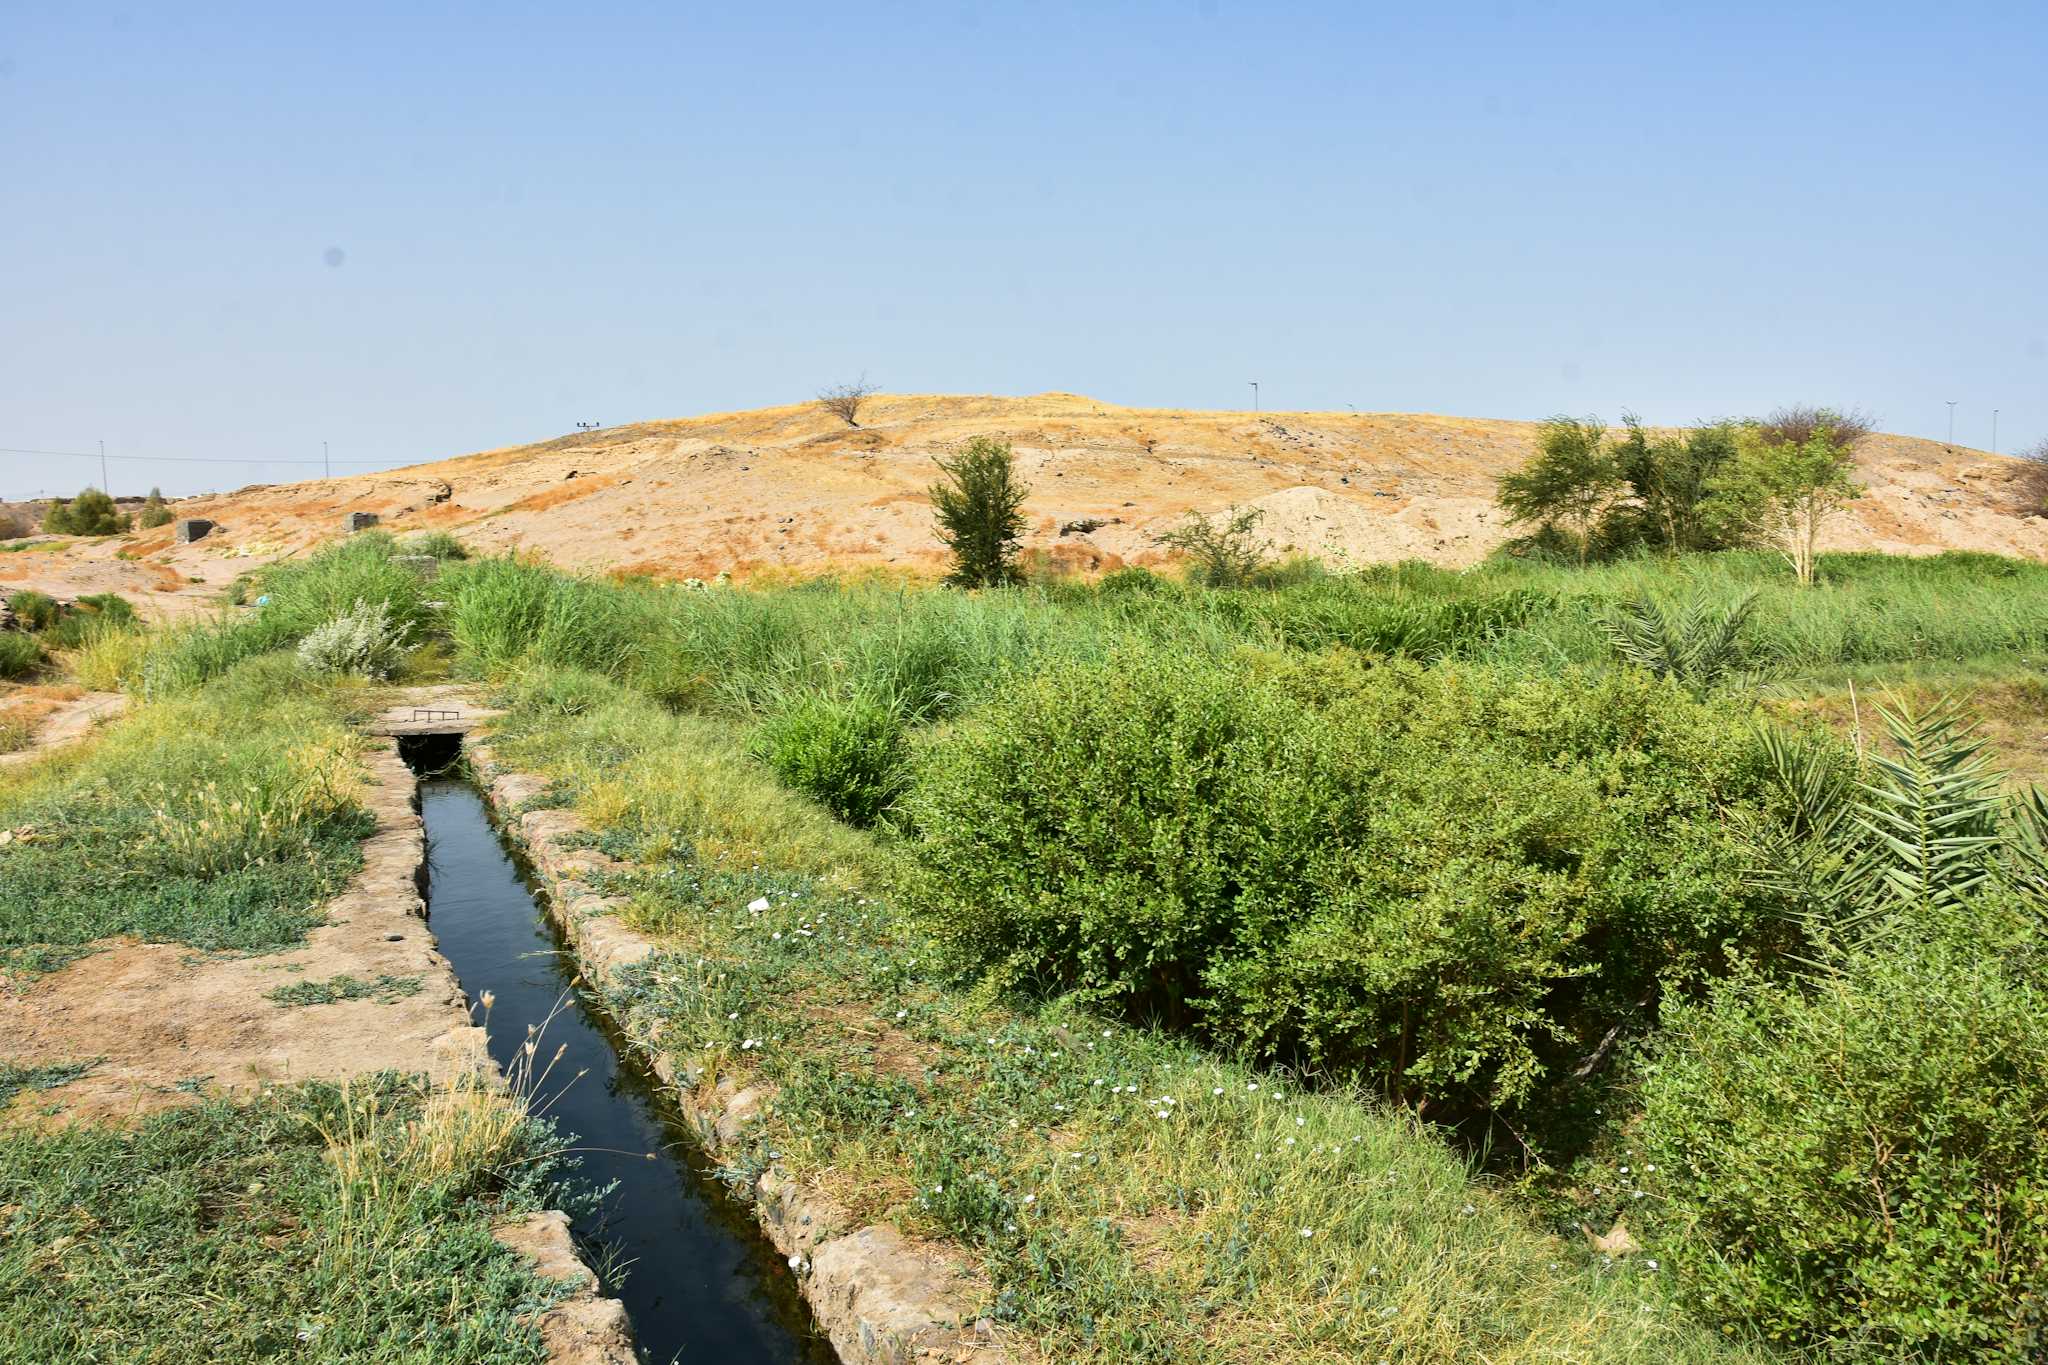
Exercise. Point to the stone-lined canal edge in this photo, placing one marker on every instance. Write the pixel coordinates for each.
(880, 1299)
(584, 1328)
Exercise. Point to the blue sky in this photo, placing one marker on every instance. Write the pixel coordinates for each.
(544, 214)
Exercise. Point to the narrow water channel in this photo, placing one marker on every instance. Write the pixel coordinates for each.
(701, 1283)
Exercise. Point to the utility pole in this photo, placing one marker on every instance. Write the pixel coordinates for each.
(1255, 393)
(325, 472)
(103, 470)
(1951, 421)
(1994, 431)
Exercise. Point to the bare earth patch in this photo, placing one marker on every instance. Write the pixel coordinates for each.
(61, 719)
(167, 1023)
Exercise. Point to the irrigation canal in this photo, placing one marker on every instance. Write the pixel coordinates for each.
(700, 1282)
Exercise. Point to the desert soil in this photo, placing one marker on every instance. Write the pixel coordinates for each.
(794, 489)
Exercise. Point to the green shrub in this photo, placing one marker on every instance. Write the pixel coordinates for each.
(154, 513)
(1221, 553)
(363, 641)
(508, 612)
(91, 513)
(303, 594)
(849, 754)
(184, 657)
(34, 610)
(439, 544)
(1859, 1165)
(978, 508)
(95, 615)
(19, 654)
(1445, 881)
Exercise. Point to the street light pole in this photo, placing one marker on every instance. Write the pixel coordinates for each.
(1994, 431)
(103, 470)
(1255, 393)
(325, 472)
(1951, 421)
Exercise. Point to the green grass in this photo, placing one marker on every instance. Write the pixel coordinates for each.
(223, 819)
(20, 654)
(384, 990)
(314, 1224)
(1030, 1133)
(15, 1078)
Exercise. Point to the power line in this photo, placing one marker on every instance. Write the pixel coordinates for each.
(172, 459)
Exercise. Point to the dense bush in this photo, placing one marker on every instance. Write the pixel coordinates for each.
(91, 513)
(848, 753)
(439, 544)
(363, 641)
(302, 594)
(1859, 1164)
(506, 612)
(1444, 881)
(33, 610)
(19, 654)
(93, 616)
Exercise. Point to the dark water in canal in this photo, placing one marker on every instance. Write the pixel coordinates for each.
(700, 1282)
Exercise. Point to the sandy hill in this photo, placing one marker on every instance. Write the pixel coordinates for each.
(796, 488)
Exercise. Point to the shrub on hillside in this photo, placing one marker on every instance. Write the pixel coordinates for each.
(1446, 882)
(307, 593)
(1225, 552)
(1858, 1165)
(847, 753)
(19, 654)
(92, 616)
(363, 641)
(154, 513)
(504, 612)
(33, 610)
(439, 544)
(91, 513)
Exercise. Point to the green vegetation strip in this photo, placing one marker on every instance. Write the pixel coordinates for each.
(1128, 1196)
(223, 820)
(314, 1224)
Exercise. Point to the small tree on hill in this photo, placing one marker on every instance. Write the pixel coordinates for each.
(154, 513)
(1228, 554)
(1792, 473)
(979, 510)
(1672, 478)
(843, 401)
(1572, 479)
(91, 513)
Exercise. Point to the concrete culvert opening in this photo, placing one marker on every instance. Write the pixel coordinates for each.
(430, 754)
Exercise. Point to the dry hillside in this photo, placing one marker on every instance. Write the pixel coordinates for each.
(795, 488)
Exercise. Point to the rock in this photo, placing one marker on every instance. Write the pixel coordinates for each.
(358, 521)
(585, 1328)
(881, 1298)
(189, 529)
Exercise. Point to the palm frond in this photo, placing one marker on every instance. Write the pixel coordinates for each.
(1699, 644)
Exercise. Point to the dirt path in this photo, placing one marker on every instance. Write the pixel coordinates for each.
(68, 722)
(162, 1025)
(167, 1023)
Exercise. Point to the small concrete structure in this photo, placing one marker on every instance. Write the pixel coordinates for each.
(358, 521)
(426, 568)
(191, 529)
